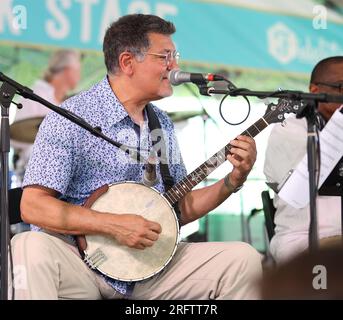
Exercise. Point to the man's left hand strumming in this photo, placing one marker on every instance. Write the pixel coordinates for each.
(242, 157)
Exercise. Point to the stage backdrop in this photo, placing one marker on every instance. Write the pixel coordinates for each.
(277, 35)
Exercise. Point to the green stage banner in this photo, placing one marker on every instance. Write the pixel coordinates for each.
(208, 32)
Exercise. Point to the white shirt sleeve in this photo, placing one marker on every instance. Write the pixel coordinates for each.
(286, 147)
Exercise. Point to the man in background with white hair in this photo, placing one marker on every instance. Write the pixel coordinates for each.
(61, 76)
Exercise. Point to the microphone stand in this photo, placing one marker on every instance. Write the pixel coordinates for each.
(312, 155)
(7, 91)
(310, 101)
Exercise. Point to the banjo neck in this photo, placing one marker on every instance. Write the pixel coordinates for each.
(180, 189)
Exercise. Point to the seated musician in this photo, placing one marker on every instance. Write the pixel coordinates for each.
(286, 147)
(68, 164)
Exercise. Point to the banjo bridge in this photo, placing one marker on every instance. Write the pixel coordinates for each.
(96, 258)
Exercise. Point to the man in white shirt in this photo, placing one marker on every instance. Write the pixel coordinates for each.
(286, 147)
(61, 76)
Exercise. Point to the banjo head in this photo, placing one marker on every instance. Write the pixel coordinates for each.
(128, 264)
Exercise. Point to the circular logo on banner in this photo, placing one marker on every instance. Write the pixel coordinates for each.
(282, 43)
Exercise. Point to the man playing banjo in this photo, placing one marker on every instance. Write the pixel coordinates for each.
(68, 164)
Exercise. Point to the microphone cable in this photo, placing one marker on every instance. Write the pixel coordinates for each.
(233, 89)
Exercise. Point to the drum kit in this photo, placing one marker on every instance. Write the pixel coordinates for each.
(22, 133)
(179, 116)
(25, 130)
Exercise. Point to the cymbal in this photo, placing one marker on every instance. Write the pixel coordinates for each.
(183, 115)
(25, 130)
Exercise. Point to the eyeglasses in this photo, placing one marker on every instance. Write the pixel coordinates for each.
(167, 57)
(338, 86)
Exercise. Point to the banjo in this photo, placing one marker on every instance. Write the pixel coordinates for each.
(122, 263)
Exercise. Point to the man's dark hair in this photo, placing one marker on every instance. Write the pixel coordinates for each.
(130, 33)
(320, 68)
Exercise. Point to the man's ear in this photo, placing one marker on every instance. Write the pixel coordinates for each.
(314, 88)
(126, 63)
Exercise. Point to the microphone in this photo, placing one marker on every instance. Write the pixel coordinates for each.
(149, 176)
(177, 77)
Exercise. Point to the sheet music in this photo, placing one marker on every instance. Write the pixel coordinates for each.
(296, 190)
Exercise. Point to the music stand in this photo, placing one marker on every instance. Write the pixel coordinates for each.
(333, 186)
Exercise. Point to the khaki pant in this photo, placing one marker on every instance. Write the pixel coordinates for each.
(47, 267)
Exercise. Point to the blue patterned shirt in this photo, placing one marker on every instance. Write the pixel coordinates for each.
(70, 160)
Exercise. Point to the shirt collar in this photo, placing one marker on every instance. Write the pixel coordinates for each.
(321, 121)
(112, 107)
